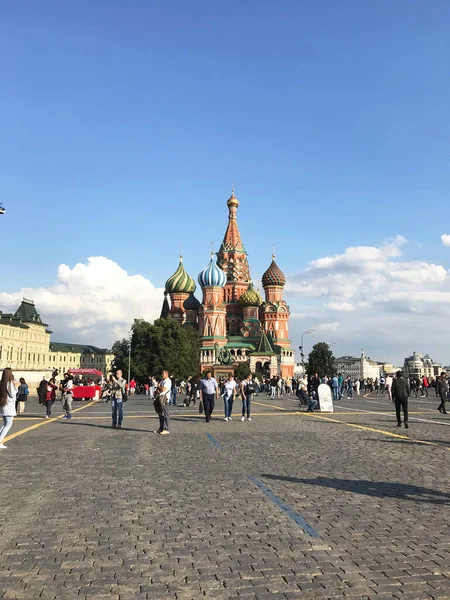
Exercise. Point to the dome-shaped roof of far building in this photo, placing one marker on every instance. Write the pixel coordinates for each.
(191, 303)
(251, 297)
(212, 275)
(232, 200)
(180, 282)
(274, 275)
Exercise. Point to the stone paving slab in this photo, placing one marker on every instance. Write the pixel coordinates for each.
(99, 513)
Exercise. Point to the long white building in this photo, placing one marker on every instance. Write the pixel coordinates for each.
(357, 367)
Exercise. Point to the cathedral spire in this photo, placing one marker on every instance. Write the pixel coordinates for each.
(232, 239)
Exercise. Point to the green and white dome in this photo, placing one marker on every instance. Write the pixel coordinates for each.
(180, 282)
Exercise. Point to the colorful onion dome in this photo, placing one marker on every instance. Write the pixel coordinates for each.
(212, 275)
(232, 200)
(180, 282)
(251, 297)
(191, 303)
(274, 275)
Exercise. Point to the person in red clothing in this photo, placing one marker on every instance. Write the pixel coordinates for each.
(50, 396)
(132, 387)
(425, 386)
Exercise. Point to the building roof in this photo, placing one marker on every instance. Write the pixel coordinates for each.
(26, 313)
(191, 303)
(212, 275)
(232, 239)
(180, 282)
(251, 297)
(78, 348)
(274, 275)
(165, 310)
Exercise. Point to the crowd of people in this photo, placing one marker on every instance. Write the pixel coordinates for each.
(206, 391)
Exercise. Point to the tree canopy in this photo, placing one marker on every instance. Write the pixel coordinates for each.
(161, 345)
(320, 360)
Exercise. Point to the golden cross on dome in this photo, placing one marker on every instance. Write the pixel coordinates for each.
(212, 249)
(273, 251)
(181, 251)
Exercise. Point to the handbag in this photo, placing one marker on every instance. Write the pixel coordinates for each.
(157, 404)
(200, 407)
(124, 396)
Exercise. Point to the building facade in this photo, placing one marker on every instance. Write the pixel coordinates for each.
(235, 324)
(421, 366)
(357, 367)
(25, 346)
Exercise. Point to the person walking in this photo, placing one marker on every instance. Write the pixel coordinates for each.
(119, 385)
(247, 391)
(357, 386)
(400, 395)
(229, 394)
(209, 392)
(335, 388)
(425, 386)
(165, 391)
(22, 396)
(67, 396)
(8, 394)
(50, 397)
(442, 390)
(389, 382)
(273, 387)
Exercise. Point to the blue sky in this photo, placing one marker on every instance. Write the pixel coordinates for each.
(125, 125)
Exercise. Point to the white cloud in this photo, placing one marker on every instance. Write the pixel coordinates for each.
(92, 303)
(378, 297)
(445, 237)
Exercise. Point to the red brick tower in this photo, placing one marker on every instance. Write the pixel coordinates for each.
(232, 259)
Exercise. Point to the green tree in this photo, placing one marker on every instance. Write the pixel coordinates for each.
(320, 360)
(120, 351)
(241, 371)
(163, 344)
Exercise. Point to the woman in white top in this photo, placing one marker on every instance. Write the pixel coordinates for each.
(8, 393)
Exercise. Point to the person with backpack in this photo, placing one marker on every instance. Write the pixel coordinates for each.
(247, 391)
(42, 391)
(22, 396)
(50, 397)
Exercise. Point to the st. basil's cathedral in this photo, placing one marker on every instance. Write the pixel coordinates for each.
(235, 324)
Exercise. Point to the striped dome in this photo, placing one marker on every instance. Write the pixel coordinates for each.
(251, 297)
(274, 275)
(212, 275)
(180, 282)
(191, 303)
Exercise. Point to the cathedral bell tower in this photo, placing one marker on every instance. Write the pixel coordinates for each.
(179, 287)
(275, 312)
(212, 313)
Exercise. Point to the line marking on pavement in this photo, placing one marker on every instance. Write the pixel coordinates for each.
(288, 510)
(373, 430)
(44, 422)
(270, 405)
(436, 421)
(214, 441)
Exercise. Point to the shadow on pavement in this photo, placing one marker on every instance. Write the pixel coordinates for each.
(378, 489)
(444, 444)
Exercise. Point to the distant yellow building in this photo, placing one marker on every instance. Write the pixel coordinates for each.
(25, 346)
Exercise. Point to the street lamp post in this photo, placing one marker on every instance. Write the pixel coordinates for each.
(129, 359)
(301, 348)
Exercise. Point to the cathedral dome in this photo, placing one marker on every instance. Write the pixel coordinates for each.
(191, 303)
(232, 200)
(251, 297)
(212, 275)
(180, 282)
(274, 275)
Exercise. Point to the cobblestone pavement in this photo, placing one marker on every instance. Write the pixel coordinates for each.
(290, 505)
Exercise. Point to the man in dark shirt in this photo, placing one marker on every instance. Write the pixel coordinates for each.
(400, 395)
(304, 398)
(442, 391)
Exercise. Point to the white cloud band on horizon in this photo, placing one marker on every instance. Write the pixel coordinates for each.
(92, 303)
